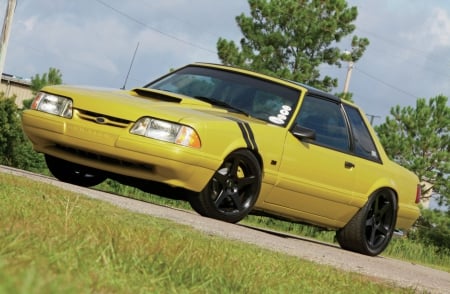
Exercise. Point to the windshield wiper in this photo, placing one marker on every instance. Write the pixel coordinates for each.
(216, 102)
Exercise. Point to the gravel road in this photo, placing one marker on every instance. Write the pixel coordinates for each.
(400, 273)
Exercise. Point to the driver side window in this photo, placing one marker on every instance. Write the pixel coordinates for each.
(325, 117)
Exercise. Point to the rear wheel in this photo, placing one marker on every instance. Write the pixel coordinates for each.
(76, 174)
(232, 191)
(370, 230)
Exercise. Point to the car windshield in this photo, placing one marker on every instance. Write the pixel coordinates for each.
(237, 92)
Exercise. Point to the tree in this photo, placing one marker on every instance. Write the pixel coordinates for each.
(418, 138)
(346, 96)
(53, 77)
(292, 38)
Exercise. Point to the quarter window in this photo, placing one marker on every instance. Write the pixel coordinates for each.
(363, 143)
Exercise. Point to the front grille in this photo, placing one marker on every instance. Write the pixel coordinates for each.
(102, 119)
(105, 159)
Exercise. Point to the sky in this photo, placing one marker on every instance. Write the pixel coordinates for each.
(92, 42)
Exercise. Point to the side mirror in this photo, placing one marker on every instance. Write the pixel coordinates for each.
(303, 133)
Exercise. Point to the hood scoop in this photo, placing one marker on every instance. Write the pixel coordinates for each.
(156, 94)
(169, 97)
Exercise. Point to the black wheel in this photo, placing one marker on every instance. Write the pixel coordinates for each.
(371, 229)
(232, 191)
(69, 172)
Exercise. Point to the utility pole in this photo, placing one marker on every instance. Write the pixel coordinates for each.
(372, 117)
(347, 78)
(4, 38)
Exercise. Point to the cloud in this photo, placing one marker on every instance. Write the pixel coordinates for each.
(433, 31)
(28, 24)
(439, 24)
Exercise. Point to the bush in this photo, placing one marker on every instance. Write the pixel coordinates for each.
(15, 148)
(433, 228)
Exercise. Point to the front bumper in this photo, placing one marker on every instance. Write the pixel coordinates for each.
(115, 150)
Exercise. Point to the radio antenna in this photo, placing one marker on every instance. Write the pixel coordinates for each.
(131, 65)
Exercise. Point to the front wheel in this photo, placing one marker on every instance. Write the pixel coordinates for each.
(72, 173)
(371, 229)
(232, 191)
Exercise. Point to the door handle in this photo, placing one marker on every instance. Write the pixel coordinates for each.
(349, 165)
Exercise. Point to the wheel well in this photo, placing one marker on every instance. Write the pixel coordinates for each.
(390, 189)
(258, 157)
(256, 154)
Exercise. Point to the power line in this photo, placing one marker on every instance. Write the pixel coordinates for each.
(417, 51)
(135, 20)
(391, 42)
(153, 28)
(385, 83)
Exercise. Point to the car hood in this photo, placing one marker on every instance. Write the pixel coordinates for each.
(133, 104)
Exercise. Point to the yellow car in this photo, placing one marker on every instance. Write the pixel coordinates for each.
(231, 142)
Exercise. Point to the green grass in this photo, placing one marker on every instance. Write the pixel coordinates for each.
(399, 248)
(55, 241)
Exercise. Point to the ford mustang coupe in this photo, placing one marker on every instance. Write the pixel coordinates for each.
(231, 142)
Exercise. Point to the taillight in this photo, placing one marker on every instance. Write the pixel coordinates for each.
(418, 193)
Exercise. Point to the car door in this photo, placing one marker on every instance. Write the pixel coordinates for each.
(367, 157)
(316, 175)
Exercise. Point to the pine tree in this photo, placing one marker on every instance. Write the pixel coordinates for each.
(292, 38)
(418, 138)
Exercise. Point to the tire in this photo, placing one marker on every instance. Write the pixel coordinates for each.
(72, 173)
(233, 190)
(371, 229)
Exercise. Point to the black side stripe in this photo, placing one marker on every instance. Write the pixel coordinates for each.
(252, 136)
(247, 133)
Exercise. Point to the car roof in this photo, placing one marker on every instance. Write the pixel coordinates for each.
(317, 92)
(311, 90)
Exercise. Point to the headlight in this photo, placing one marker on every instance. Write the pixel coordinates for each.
(53, 104)
(166, 131)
